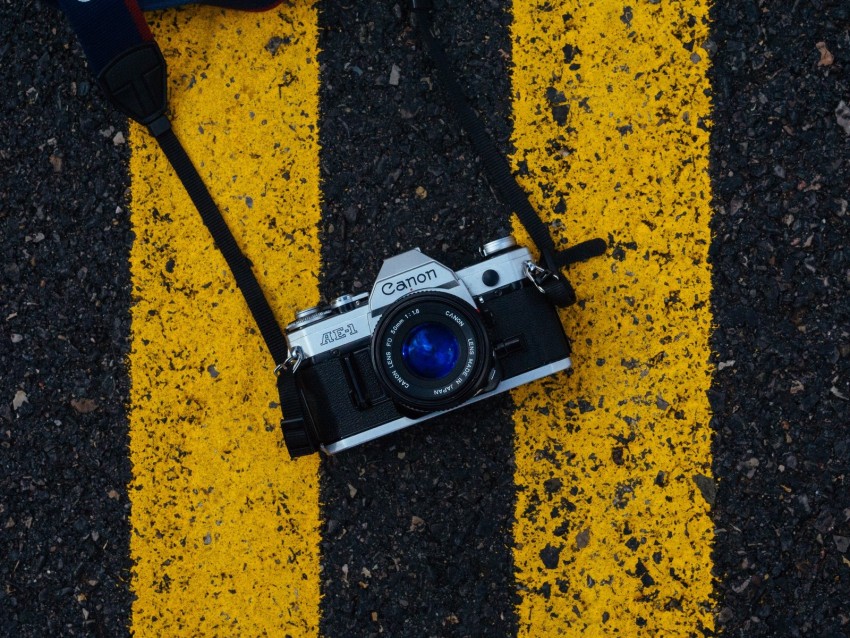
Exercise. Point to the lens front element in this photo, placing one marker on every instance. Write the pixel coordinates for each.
(430, 350)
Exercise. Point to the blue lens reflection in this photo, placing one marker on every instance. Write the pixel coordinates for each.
(430, 350)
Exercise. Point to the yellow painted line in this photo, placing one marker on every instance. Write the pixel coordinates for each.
(224, 526)
(613, 537)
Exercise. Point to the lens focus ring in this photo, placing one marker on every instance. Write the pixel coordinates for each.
(430, 351)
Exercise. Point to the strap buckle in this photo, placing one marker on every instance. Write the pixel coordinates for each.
(294, 358)
(135, 81)
(538, 275)
(295, 438)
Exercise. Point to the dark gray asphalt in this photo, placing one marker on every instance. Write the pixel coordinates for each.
(64, 308)
(454, 577)
(781, 258)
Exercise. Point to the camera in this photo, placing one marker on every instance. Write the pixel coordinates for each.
(426, 340)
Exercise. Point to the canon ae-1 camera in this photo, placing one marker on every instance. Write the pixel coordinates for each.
(425, 341)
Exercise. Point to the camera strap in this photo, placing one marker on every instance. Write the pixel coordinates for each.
(557, 288)
(131, 71)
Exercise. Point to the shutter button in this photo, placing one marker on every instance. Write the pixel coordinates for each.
(490, 278)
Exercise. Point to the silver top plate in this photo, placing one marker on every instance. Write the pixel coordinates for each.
(401, 275)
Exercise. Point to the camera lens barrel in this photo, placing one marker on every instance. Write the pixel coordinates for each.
(430, 351)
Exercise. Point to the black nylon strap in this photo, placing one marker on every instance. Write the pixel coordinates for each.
(238, 263)
(132, 73)
(135, 81)
(498, 169)
(295, 433)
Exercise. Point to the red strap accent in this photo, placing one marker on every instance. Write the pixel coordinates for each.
(141, 24)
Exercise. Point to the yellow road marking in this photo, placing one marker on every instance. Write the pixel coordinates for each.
(613, 536)
(225, 527)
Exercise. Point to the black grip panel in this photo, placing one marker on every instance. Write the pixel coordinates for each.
(528, 314)
(135, 82)
(331, 405)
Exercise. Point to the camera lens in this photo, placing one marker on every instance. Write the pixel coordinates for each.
(430, 351)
